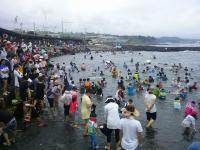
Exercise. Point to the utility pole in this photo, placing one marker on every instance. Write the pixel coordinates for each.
(15, 22)
(34, 28)
(54, 29)
(62, 26)
(21, 27)
(84, 40)
(43, 28)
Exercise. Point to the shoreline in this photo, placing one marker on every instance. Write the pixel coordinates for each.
(143, 48)
(130, 48)
(98, 49)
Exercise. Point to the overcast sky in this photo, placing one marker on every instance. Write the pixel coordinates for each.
(124, 17)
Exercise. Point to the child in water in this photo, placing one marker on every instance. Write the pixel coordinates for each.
(130, 89)
(92, 128)
(177, 103)
(130, 102)
(198, 103)
(72, 110)
(119, 96)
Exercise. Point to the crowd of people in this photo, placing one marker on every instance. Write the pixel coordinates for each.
(36, 81)
(23, 75)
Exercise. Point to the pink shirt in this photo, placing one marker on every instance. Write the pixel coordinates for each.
(73, 106)
(190, 110)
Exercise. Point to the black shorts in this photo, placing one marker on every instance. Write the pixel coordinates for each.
(39, 98)
(51, 102)
(151, 115)
(24, 98)
(35, 112)
(66, 110)
(11, 126)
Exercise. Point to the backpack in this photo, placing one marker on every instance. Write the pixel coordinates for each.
(87, 84)
(91, 127)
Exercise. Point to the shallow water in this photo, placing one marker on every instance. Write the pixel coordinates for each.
(167, 133)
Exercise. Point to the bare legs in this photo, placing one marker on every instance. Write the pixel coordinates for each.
(149, 123)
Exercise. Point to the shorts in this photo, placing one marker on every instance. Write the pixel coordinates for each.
(73, 115)
(137, 148)
(39, 99)
(51, 102)
(66, 110)
(151, 115)
(35, 112)
(16, 88)
(24, 97)
(11, 126)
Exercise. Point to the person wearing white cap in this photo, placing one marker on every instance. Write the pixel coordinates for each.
(111, 115)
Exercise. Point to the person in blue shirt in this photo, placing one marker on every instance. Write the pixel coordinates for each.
(130, 89)
(194, 146)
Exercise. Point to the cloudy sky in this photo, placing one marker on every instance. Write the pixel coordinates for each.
(124, 17)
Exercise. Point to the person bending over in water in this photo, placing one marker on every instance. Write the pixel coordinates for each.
(189, 124)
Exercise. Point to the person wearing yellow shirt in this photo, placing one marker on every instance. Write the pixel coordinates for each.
(86, 109)
(20, 69)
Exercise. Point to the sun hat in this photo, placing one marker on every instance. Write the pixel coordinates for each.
(56, 82)
(54, 77)
(130, 110)
(40, 74)
(4, 41)
(8, 42)
(67, 92)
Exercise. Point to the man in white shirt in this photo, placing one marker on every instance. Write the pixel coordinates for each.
(150, 107)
